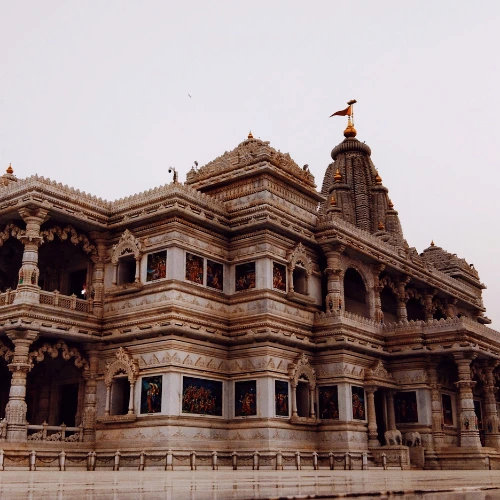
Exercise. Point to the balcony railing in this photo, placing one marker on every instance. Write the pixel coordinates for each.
(56, 299)
(46, 432)
(7, 297)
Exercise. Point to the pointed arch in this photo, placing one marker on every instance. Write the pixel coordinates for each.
(128, 244)
(303, 391)
(124, 363)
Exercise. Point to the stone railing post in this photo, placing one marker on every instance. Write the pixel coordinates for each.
(469, 432)
(373, 441)
(27, 287)
(15, 411)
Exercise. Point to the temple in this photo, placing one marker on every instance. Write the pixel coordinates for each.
(240, 319)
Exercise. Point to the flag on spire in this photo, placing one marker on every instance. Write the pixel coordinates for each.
(343, 112)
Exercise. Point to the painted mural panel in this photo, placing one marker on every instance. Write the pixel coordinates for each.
(151, 394)
(245, 398)
(281, 398)
(156, 266)
(405, 407)
(358, 403)
(447, 409)
(245, 276)
(328, 402)
(201, 396)
(194, 268)
(279, 276)
(215, 275)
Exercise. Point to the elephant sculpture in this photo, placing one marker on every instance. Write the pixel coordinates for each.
(413, 439)
(393, 438)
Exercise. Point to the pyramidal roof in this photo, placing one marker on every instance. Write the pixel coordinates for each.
(248, 156)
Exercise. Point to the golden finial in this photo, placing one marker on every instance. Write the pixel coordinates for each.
(333, 203)
(350, 131)
(378, 180)
(250, 136)
(337, 177)
(391, 204)
(10, 170)
(432, 243)
(381, 226)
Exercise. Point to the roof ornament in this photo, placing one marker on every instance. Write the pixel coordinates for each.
(10, 170)
(391, 204)
(337, 177)
(350, 131)
(378, 179)
(250, 136)
(172, 169)
(432, 243)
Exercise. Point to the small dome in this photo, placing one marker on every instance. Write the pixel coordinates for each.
(391, 204)
(378, 180)
(10, 170)
(250, 135)
(337, 176)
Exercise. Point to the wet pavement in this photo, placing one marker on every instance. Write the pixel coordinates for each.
(246, 485)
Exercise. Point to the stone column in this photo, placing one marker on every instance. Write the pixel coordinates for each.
(438, 436)
(491, 421)
(428, 309)
(108, 400)
(312, 392)
(131, 398)
(294, 400)
(137, 269)
(27, 288)
(97, 288)
(373, 441)
(401, 283)
(391, 416)
(378, 315)
(450, 308)
(469, 432)
(90, 397)
(333, 271)
(15, 411)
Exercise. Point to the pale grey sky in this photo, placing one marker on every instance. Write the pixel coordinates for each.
(94, 94)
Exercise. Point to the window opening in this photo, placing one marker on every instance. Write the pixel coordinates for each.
(303, 398)
(126, 270)
(300, 280)
(120, 395)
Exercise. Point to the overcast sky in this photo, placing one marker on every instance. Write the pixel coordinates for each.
(94, 94)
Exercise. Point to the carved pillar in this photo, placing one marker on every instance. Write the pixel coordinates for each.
(450, 308)
(290, 277)
(294, 400)
(27, 288)
(137, 269)
(469, 432)
(90, 398)
(401, 283)
(428, 306)
(15, 411)
(391, 416)
(373, 441)
(438, 436)
(131, 398)
(97, 289)
(108, 399)
(115, 273)
(378, 315)
(491, 421)
(332, 271)
(312, 392)
(308, 277)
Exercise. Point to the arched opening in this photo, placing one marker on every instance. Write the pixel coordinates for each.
(126, 270)
(439, 314)
(54, 393)
(120, 394)
(415, 310)
(11, 257)
(300, 280)
(389, 305)
(355, 293)
(302, 395)
(63, 267)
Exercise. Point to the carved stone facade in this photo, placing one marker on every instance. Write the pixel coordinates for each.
(241, 311)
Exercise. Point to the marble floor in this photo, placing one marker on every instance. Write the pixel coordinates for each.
(246, 485)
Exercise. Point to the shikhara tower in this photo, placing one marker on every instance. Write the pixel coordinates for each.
(242, 313)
